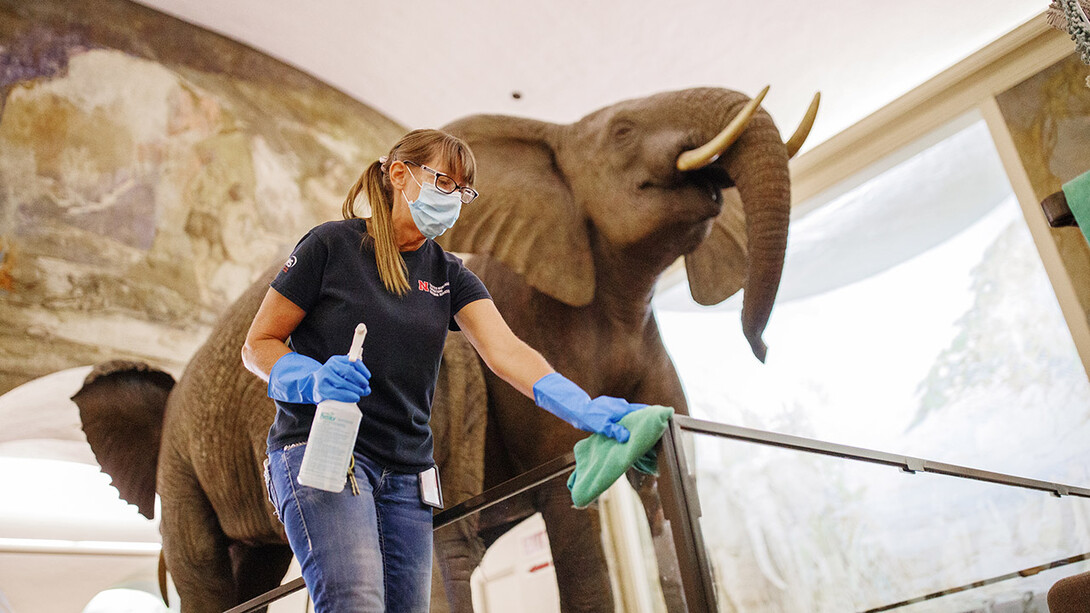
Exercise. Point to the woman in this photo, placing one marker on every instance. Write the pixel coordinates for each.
(368, 547)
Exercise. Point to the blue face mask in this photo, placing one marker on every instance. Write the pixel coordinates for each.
(433, 211)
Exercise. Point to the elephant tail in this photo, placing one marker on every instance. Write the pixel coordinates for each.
(163, 578)
(121, 406)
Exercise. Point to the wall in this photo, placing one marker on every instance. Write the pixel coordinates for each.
(1046, 126)
(149, 170)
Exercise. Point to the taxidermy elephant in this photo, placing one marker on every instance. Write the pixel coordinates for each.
(574, 226)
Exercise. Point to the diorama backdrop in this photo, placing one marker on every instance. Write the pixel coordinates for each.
(149, 170)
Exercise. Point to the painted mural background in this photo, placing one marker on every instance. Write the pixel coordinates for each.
(149, 170)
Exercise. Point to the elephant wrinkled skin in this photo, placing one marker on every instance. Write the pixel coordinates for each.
(574, 225)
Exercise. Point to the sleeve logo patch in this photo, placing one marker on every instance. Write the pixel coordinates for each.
(434, 290)
(288, 264)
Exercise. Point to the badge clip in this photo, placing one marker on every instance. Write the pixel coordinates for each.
(431, 493)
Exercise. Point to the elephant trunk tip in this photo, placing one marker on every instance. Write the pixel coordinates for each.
(753, 331)
(760, 350)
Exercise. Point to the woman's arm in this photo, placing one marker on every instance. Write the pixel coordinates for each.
(527, 371)
(505, 354)
(276, 319)
(298, 378)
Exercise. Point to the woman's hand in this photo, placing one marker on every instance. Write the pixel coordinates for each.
(297, 378)
(341, 379)
(559, 396)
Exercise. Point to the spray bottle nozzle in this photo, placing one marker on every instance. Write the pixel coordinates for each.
(356, 349)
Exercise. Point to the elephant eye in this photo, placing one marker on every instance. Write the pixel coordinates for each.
(622, 130)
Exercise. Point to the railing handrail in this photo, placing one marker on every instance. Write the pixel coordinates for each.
(907, 464)
(513, 487)
(1025, 572)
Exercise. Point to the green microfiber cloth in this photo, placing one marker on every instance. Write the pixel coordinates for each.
(1077, 192)
(601, 460)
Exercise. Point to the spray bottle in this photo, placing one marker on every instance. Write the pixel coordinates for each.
(332, 435)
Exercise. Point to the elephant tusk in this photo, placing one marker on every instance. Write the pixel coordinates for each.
(695, 159)
(799, 137)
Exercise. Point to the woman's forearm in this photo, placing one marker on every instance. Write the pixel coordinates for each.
(505, 354)
(521, 366)
(259, 355)
(276, 318)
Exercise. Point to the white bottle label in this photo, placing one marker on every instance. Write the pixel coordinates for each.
(329, 446)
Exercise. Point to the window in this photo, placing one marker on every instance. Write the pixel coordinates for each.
(914, 317)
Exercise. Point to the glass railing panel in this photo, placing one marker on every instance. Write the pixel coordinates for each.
(612, 557)
(517, 565)
(788, 531)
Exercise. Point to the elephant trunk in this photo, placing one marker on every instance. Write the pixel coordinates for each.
(757, 164)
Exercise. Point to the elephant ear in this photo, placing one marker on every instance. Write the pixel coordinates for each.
(525, 216)
(717, 268)
(121, 407)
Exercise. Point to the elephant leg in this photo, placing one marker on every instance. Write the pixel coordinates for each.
(194, 546)
(459, 551)
(439, 602)
(459, 424)
(575, 538)
(662, 539)
(258, 568)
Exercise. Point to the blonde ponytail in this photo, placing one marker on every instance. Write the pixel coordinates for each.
(380, 227)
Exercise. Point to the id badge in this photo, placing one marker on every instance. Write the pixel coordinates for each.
(431, 493)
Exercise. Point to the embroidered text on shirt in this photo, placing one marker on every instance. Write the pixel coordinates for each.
(434, 290)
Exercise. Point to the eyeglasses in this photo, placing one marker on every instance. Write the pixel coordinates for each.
(446, 184)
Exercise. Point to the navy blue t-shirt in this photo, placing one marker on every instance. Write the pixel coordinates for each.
(333, 277)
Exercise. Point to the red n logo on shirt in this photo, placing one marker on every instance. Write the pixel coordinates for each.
(433, 289)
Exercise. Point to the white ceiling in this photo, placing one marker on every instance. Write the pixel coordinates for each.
(427, 62)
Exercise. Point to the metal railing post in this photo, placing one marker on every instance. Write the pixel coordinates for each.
(681, 508)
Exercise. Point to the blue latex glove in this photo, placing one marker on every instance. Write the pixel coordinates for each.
(559, 396)
(297, 378)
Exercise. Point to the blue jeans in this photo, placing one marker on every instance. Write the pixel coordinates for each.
(370, 552)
